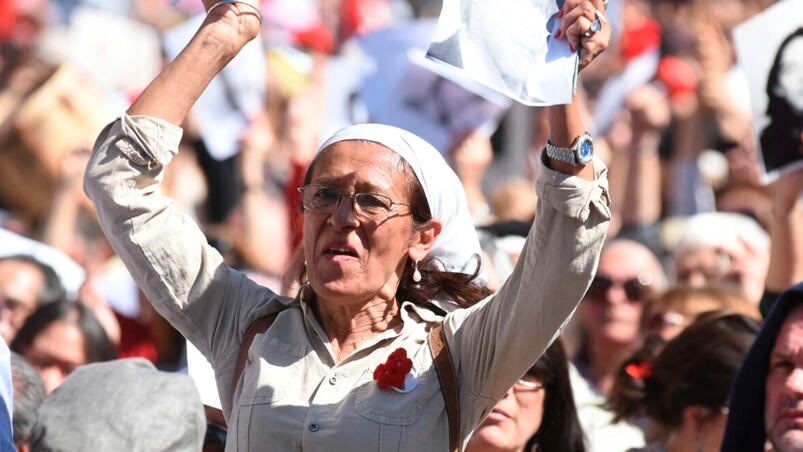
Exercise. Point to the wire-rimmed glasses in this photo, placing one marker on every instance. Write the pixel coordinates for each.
(325, 199)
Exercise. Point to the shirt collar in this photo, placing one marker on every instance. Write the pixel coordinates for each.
(411, 314)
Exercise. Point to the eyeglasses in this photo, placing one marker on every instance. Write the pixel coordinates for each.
(325, 199)
(528, 383)
(636, 289)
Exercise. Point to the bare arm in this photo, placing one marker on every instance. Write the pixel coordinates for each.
(786, 246)
(223, 34)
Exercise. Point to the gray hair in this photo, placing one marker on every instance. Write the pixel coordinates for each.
(29, 393)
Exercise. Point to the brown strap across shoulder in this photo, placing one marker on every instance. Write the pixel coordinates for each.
(259, 326)
(448, 380)
(440, 354)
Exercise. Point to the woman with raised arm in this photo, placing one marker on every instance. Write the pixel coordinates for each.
(389, 252)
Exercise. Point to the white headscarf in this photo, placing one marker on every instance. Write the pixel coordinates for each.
(457, 244)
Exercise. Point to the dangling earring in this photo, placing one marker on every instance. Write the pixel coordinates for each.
(416, 273)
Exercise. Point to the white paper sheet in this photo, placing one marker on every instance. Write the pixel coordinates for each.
(440, 104)
(758, 48)
(384, 77)
(508, 46)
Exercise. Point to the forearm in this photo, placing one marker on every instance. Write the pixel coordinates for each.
(173, 92)
(265, 251)
(786, 251)
(642, 190)
(59, 228)
(565, 125)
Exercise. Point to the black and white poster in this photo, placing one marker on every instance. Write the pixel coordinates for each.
(770, 51)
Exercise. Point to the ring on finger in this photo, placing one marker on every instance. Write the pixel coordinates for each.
(596, 26)
(594, 29)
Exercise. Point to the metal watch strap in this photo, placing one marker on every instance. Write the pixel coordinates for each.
(565, 155)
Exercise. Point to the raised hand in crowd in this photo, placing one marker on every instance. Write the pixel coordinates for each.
(786, 248)
(470, 158)
(257, 211)
(636, 165)
(715, 55)
(60, 225)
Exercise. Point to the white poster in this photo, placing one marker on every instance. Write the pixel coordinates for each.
(225, 108)
(385, 77)
(440, 105)
(770, 51)
(508, 45)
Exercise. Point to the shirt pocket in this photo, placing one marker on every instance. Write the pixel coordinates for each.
(387, 406)
(270, 364)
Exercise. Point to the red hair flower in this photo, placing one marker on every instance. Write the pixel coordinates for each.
(393, 372)
(639, 371)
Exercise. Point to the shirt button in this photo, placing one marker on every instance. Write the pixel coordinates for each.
(314, 427)
(333, 379)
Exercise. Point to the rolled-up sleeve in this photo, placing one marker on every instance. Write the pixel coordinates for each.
(185, 279)
(496, 341)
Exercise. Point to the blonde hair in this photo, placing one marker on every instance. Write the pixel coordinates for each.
(690, 302)
(514, 200)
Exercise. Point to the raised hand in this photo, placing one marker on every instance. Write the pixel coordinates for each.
(241, 19)
(585, 25)
(228, 27)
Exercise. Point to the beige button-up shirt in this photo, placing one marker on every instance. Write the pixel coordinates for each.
(293, 395)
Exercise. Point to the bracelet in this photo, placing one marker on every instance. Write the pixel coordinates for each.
(226, 2)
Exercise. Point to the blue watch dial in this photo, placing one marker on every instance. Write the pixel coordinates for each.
(586, 150)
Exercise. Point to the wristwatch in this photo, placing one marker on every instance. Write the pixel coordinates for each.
(580, 153)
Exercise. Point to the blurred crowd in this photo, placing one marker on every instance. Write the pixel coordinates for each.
(699, 247)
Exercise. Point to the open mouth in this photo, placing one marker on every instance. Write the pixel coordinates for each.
(340, 251)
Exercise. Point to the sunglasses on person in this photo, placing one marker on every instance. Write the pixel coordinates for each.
(636, 289)
(326, 199)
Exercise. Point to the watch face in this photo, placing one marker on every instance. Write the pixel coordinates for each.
(586, 151)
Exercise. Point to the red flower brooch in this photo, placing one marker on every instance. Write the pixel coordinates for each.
(393, 372)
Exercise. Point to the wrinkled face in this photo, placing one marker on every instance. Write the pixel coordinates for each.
(351, 258)
(790, 77)
(783, 413)
(512, 422)
(56, 352)
(20, 282)
(612, 316)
